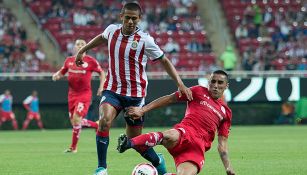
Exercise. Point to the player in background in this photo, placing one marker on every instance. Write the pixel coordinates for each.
(192, 137)
(126, 83)
(80, 91)
(31, 104)
(6, 112)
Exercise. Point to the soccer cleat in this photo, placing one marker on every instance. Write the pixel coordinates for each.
(101, 171)
(70, 150)
(122, 143)
(161, 168)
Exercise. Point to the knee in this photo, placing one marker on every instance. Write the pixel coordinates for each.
(76, 119)
(171, 134)
(105, 124)
(185, 171)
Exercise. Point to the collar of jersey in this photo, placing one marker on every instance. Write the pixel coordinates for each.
(136, 30)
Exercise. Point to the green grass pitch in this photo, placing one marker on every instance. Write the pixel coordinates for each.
(254, 150)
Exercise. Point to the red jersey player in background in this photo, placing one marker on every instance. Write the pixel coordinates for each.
(80, 92)
(31, 104)
(126, 83)
(6, 111)
(192, 137)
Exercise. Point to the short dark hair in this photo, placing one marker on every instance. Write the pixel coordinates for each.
(134, 5)
(223, 73)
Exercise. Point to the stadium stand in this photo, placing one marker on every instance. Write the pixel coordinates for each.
(68, 20)
(17, 52)
(270, 34)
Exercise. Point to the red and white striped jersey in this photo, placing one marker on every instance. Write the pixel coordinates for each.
(127, 60)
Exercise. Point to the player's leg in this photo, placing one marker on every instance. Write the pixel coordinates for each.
(134, 128)
(14, 121)
(88, 123)
(80, 109)
(146, 151)
(27, 121)
(168, 139)
(85, 122)
(107, 114)
(109, 108)
(39, 121)
(187, 168)
(76, 130)
(1, 117)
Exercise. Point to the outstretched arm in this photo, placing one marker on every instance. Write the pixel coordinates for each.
(170, 69)
(223, 151)
(137, 112)
(93, 43)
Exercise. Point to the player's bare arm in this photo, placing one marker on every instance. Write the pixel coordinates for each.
(137, 112)
(56, 76)
(223, 151)
(102, 78)
(170, 69)
(92, 44)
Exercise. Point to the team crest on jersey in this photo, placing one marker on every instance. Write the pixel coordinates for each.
(85, 65)
(134, 45)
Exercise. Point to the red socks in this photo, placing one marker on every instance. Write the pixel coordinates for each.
(26, 123)
(14, 123)
(89, 123)
(150, 139)
(76, 130)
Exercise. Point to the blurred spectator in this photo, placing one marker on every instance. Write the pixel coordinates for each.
(194, 46)
(241, 31)
(287, 114)
(171, 46)
(257, 18)
(228, 59)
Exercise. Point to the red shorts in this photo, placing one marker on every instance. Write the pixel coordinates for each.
(189, 149)
(33, 115)
(78, 105)
(5, 116)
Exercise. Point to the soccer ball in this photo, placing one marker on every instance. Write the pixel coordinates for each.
(144, 169)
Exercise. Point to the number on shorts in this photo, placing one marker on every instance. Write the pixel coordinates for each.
(80, 107)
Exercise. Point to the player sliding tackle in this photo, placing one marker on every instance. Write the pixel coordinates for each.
(192, 137)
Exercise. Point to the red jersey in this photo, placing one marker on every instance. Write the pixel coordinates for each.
(79, 78)
(128, 57)
(206, 115)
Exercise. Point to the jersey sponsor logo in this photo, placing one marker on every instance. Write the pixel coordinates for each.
(206, 96)
(134, 45)
(70, 63)
(77, 71)
(212, 108)
(85, 65)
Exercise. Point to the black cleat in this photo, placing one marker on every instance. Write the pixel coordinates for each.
(122, 144)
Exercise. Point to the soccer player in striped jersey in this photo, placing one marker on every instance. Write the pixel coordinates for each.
(6, 112)
(31, 103)
(126, 83)
(80, 91)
